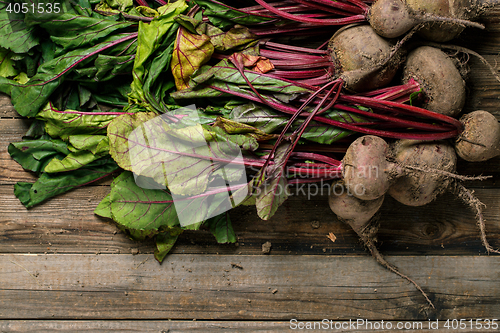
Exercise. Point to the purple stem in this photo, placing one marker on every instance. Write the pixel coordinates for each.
(336, 85)
(314, 73)
(348, 126)
(327, 5)
(291, 55)
(340, 21)
(292, 48)
(142, 3)
(316, 157)
(395, 92)
(317, 173)
(372, 102)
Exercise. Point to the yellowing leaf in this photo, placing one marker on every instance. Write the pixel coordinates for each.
(190, 52)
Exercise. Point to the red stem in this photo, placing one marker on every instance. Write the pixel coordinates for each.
(142, 3)
(340, 21)
(324, 5)
(292, 48)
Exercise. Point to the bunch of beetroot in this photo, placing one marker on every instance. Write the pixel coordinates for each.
(407, 152)
(268, 74)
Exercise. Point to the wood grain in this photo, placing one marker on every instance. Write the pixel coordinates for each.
(66, 224)
(89, 282)
(126, 287)
(213, 326)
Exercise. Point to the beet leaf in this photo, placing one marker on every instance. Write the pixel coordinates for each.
(49, 185)
(65, 123)
(150, 38)
(28, 98)
(165, 241)
(15, 35)
(271, 184)
(190, 52)
(184, 157)
(224, 16)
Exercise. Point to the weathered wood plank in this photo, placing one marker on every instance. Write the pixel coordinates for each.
(6, 108)
(66, 224)
(173, 326)
(126, 287)
(12, 130)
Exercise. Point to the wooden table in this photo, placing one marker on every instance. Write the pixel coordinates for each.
(63, 269)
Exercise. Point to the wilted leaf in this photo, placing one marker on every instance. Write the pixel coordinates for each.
(271, 194)
(234, 127)
(165, 241)
(71, 122)
(190, 52)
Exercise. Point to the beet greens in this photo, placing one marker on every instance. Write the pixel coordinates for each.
(112, 91)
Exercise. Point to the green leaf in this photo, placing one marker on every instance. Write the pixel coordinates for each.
(50, 185)
(76, 31)
(6, 85)
(190, 52)
(96, 144)
(140, 208)
(271, 194)
(14, 34)
(33, 155)
(220, 226)
(87, 149)
(104, 208)
(22, 192)
(30, 97)
(224, 16)
(65, 123)
(165, 241)
(149, 39)
(122, 5)
(185, 158)
(258, 116)
(6, 64)
(109, 66)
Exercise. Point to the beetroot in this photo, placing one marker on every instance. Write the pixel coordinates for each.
(440, 80)
(442, 20)
(480, 139)
(417, 188)
(358, 52)
(366, 171)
